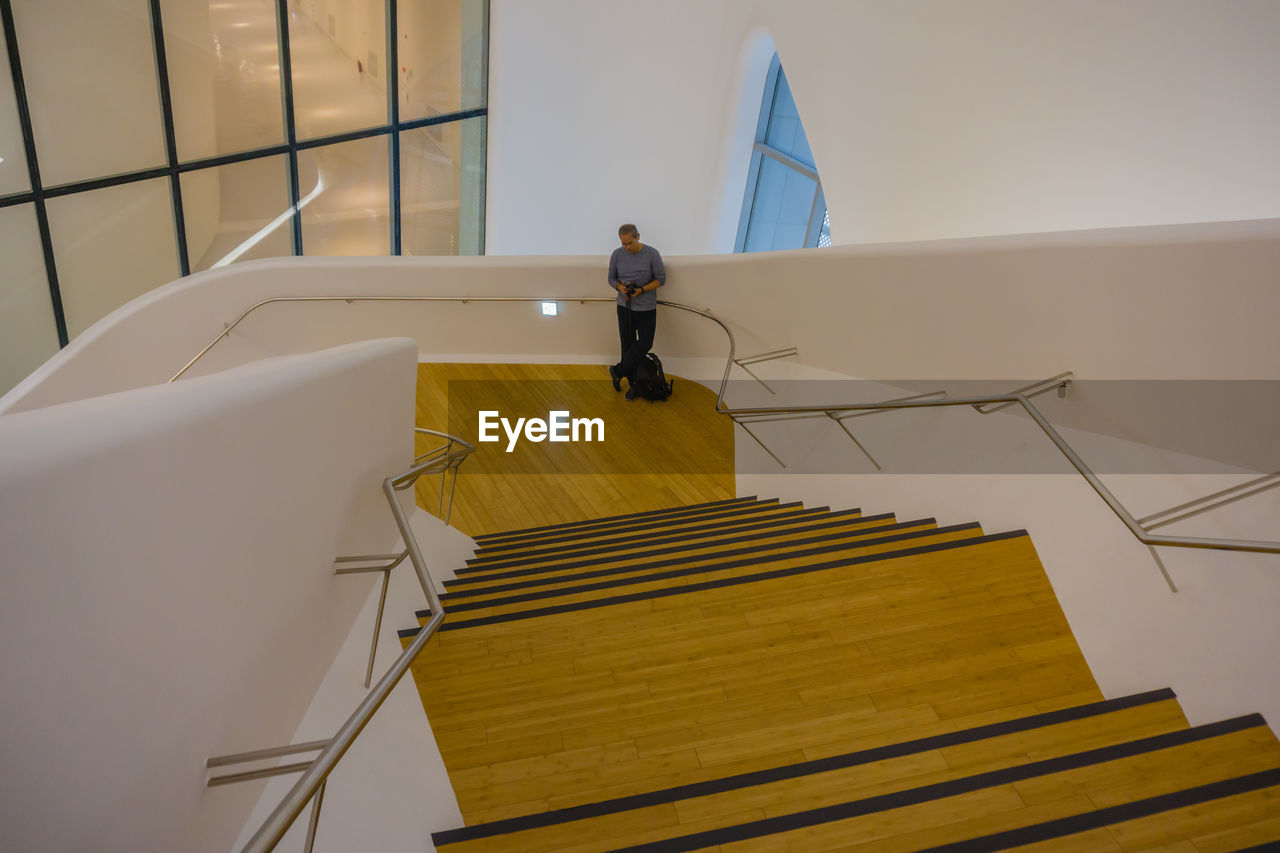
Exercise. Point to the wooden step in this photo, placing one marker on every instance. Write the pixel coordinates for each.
(790, 569)
(732, 677)
(940, 808)
(644, 577)
(530, 533)
(605, 528)
(765, 548)
(575, 706)
(1053, 733)
(692, 545)
(617, 538)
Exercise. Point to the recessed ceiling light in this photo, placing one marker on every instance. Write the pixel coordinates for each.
(549, 309)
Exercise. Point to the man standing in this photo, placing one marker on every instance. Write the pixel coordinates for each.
(635, 271)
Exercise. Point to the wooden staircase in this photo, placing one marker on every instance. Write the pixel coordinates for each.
(750, 675)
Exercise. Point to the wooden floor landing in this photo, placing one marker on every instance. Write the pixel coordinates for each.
(655, 455)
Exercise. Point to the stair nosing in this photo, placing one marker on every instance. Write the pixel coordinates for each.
(528, 573)
(1133, 810)
(596, 527)
(465, 574)
(704, 569)
(709, 787)
(794, 507)
(485, 537)
(941, 790)
(779, 573)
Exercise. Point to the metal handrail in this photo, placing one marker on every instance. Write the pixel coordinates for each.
(1015, 398)
(316, 773)
(1213, 501)
(1085, 471)
(315, 776)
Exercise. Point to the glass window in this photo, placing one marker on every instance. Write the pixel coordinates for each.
(28, 334)
(346, 204)
(442, 188)
(14, 177)
(224, 75)
(780, 216)
(785, 132)
(442, 56)
(90, 75)
(93, 86)
(783, 207)
(237, 212)
(112, 245)
(338, 52)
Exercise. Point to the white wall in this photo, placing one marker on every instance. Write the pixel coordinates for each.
(168, 591)
(1169, 302)
(391, 790)
(926, 119)
(604, 113)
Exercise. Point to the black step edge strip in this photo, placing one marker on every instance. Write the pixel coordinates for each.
(793, 771)
(723, 582)
(955, 787)
(801, 525)
(686, 571)
(506, 534)
(682, 559)
(595, 524)
(406, 633)
(1119, 814)
(594, 527)
(551, 546)
(609, 546)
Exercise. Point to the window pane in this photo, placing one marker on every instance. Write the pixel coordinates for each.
(339, 61)
(824, 236)
(785, 131)
(442, 189)
(110, 246)
(345, 200)
(14, 177)
(780, 213)
(90, 72)
(224, 75)
(28, 335)
(237, 212)
(442, 56)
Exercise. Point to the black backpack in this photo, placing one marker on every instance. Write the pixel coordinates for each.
(649, 380)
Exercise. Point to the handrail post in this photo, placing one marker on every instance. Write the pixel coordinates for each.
(316, 802)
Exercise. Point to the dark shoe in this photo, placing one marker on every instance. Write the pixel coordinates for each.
(633, 392)
(615, 379)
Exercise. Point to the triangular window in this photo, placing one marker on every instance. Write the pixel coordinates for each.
(783, 207)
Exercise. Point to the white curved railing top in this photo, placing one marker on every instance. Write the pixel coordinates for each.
(985, 404)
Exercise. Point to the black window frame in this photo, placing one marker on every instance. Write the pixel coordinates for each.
(39, 194)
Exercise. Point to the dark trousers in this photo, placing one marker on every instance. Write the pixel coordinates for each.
(635, 331)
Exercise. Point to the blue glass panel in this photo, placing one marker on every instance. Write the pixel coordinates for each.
(780, 214)
(797, 200)
(785, 131)
(760, 237)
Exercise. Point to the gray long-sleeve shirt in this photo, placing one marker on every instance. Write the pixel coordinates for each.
(638, 268)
